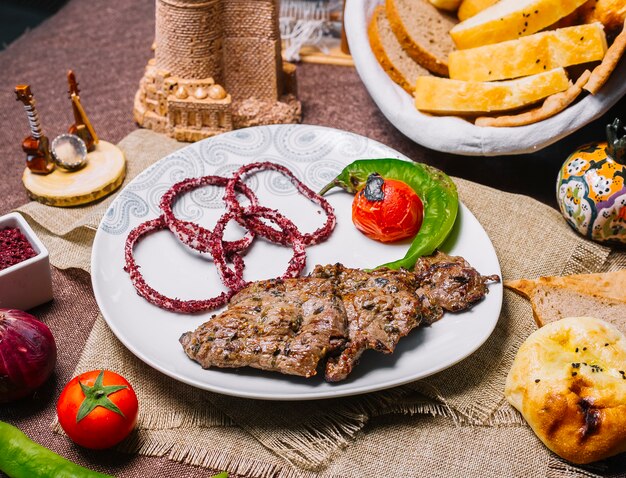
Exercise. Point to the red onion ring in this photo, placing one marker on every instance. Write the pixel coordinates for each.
(250, 222)
(204, 240)
(233, 279)
(156, 298)
(192, 234)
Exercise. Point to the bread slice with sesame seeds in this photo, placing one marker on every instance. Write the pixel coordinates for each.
(400, 67)
(509, 20)
(469, 98)
(422, 31)
(530, 55)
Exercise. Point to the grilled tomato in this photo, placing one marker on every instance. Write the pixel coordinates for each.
(387, 210)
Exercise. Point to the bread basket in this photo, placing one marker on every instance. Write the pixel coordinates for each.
(455, 135)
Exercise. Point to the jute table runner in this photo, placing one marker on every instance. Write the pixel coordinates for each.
(455, 423)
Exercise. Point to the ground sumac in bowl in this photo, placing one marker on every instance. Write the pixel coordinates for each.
(14, 247)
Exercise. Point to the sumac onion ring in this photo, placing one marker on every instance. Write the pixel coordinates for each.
(204, 240)
(251, 222)
(192, 234)
(156, 298)
(233, 279)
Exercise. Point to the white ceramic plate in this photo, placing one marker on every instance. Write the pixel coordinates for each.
(315, 155)
(454, 135)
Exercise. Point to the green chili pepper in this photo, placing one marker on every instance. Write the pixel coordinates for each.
(434, 187)
(20, 457)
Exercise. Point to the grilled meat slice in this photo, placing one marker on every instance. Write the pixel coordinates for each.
(385, 305)
(286, 326)
(292, 325)
(381, 306)
(450, 282)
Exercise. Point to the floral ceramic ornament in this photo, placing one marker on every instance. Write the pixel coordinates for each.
(591, 190)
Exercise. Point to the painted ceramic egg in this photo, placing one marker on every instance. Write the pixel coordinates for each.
(591, 189)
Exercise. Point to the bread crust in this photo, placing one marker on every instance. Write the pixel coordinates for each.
(373, 33)
(602, 72)
(568, 382)
(608, 285)
(526, 288)
(411, 45)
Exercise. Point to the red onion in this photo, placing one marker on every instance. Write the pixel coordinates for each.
(28, 354)
(155, 297)
(254, 224)
(234, 279)
(192, 234)
(205, 240)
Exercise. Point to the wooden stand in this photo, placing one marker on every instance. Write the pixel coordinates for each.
(103, 174)
(335, 56)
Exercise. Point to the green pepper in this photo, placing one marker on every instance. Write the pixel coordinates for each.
(20, 457)
(435, 188)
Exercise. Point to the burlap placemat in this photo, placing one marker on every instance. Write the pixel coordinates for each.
(257, 438)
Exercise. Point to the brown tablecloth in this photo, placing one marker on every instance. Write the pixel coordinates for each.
(107, 43)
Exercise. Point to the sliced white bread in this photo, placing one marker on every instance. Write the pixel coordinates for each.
(450, 5)
(469, 8)
(510, 19)
(455, 97)
(422, 30)
(529, 55)
(400, 67)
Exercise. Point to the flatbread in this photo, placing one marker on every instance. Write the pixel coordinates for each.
(551, 106)
(601, 73)
(567, 380)
(590, 82)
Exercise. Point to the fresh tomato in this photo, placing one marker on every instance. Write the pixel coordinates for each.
(97, 409)
(387, 210)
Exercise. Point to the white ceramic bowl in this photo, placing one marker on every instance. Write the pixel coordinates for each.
(455, 135)
(28, 283)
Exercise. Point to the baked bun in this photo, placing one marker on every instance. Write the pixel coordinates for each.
(568, 381)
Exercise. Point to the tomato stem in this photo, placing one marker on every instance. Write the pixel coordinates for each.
(98, 396)
(373, 189)
(436, 190)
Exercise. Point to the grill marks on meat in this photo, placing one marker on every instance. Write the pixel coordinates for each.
(286, 326)
(381, 308)
(293, 325)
